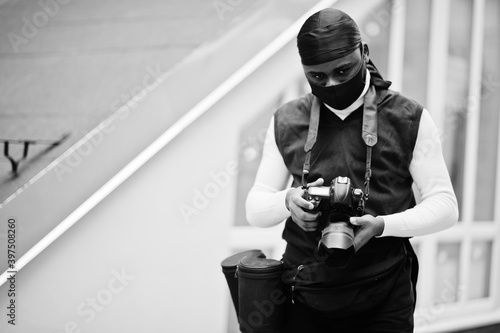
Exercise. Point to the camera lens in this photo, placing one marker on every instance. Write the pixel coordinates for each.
(336, 244)
(339, 235)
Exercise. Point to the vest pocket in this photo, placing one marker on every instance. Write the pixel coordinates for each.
(314, 287)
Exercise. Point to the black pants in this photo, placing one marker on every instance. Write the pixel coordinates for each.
(394, 314)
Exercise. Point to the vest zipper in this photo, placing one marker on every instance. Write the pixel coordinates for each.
(299, 268)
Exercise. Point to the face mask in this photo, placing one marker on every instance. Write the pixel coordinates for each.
(341, 95)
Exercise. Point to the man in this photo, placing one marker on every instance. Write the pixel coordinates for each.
(351, 126)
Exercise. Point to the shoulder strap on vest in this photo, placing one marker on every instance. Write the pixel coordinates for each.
(312, 134)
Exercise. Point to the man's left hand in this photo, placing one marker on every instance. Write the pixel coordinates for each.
(368, 227)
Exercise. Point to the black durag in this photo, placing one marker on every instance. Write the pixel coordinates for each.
(331, 34)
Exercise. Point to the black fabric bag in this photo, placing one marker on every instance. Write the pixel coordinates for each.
(331, 292)
(257, 291)
(262, 299)
(229, 267)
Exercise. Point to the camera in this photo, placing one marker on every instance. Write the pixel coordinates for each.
(337, 203)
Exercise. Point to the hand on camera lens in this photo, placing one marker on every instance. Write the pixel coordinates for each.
(369, 227)
(300, 208)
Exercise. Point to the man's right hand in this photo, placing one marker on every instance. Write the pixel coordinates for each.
(298, 207)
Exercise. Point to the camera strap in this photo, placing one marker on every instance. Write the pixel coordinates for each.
(312, 135)
(368, 133)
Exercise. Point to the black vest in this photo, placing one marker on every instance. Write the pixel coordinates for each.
(340, 151)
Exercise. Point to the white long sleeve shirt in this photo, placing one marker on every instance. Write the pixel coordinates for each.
(437, 210)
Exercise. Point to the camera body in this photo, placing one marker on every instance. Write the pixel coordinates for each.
(339, 201)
